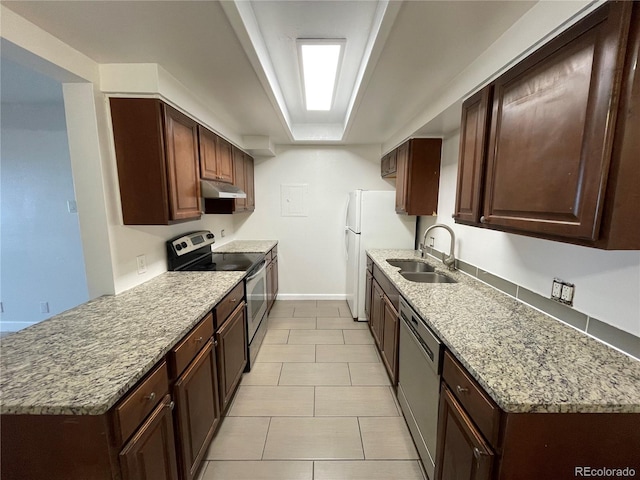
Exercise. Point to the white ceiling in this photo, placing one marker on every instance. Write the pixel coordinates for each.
(427, 44)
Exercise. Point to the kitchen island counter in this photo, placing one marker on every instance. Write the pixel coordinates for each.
(527, 361)
(82, 361)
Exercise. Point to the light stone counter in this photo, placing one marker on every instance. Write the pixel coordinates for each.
(246, 246)
(524, 359)
(84, 360)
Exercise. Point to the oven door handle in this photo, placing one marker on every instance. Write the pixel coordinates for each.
(259, 272)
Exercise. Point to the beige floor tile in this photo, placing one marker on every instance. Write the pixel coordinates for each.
(276, 337)
(315, 374)
(284, 312)
(368, 374)
(333, 303)
(262, 374)
(272, 470)
(345, 312)
(313, 438)
(295, 303)
(367, 470)
(355, 401)
(257, 401)
(291, 323)
(386, 438)
(287, 353)
(341, 324)
(357, 337)
(316, 337)
(346, 353)
(239, 438)
(316, 312)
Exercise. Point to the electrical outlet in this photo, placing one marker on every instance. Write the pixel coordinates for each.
(556, 289)
(44, 307)
(72, 206)
(142, 264)
(432, 241)
(222, 233)
(567, 294)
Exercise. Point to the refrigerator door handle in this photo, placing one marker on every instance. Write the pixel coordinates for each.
(346, 229)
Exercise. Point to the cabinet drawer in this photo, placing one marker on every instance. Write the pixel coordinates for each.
(369, 264)
(482, 410)
(135, 407)
(228, 304)
(389, 289)
(182, 354)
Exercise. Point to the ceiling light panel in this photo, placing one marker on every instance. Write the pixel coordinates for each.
(319, 64)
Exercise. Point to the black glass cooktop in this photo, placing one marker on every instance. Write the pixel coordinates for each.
(238, 262)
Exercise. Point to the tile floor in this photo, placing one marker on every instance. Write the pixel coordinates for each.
(317, 405)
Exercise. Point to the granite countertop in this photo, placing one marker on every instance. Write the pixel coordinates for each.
(246, 246)
(524, 359)
(82, 361)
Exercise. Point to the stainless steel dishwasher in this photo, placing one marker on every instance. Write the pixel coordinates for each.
(420, 355)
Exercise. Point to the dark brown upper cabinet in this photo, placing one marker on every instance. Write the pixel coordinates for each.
(243, 178)
(417, 174)
(388, 165)
(473, 148)
(157, 155)
(216, 161)
(561, 163)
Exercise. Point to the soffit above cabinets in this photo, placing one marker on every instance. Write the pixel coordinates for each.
(239, 59)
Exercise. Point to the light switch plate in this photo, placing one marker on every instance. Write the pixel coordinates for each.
(142, 264)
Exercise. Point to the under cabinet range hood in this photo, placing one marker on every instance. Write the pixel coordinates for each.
(212, 189)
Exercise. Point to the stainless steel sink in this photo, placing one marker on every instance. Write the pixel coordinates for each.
(411, 265)
(427, 277)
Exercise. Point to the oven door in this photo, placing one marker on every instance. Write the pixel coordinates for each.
(256, 299)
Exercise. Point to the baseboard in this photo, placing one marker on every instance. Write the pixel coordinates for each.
(311, 296)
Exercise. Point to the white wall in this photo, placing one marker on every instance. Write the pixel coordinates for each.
(607, 282)
(311, 257)
(41, 254)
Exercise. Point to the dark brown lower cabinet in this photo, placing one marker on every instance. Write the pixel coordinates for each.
(198, 410)
(389, 351)
(150, 454)
(462, 453)
(231, 346)
(367, 295)
(377, 314)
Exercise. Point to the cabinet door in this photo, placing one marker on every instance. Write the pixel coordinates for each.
(474, 128)
(249, 183)
(198, 411)
(181, 137)
(231, 350)
(275, 278)
(402, 170)
(225, 160)
(462, 453)
(390, 340)
(552, 179)
(377, 312)
(270, 294)
(208, 143)
(239, 178)
(368, 291)
(151, 453)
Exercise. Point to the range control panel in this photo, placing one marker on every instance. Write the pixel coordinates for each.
(192, 241)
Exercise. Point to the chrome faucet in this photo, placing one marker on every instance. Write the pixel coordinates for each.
(449, 261)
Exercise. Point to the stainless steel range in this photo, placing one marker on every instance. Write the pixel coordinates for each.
(191, 252)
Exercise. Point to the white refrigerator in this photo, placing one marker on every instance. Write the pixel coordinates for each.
(371, 222)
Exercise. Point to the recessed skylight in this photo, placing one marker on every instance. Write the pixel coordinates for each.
(319, 62)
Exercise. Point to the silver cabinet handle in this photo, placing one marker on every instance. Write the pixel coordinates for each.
(478, 453)
(483, 219)
(172, 404)
(151, 397)
(460, 389)
(215, 343)
(199, 339)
